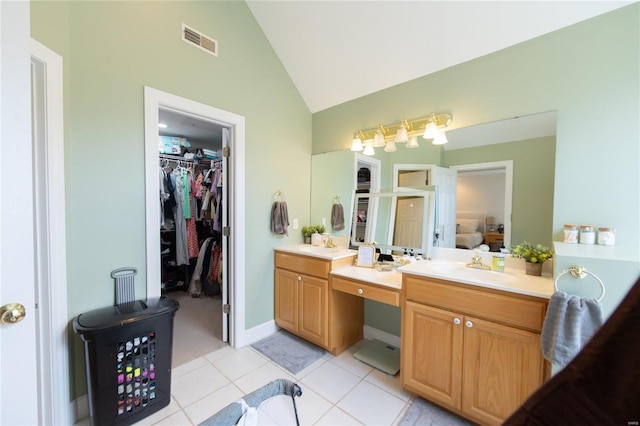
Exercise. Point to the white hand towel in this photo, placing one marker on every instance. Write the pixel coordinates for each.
(569, 324)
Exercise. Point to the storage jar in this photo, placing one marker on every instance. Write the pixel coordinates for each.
(606, 236)
(587, 234)
(571, 234)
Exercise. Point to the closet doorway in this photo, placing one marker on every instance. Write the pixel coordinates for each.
(190, 208)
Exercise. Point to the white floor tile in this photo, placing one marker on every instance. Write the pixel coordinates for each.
(177, 419)
(349, 363)
(167, 411)
(371, 405)
(260, 377)
(300, 374)
(389, 383)
(311, 406)
(206, 407)
(239, 363)
(330, 381)
(220, 353)
(337, 417)
(278, 411)
(197, 384)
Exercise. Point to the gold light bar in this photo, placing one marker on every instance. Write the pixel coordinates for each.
(414, 127)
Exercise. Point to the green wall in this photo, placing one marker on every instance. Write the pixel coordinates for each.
(111, 50)
(587, 72)
(533, 176)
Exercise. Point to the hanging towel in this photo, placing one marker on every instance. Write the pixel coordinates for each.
(569, 324)
(337, 217)
(279, 218)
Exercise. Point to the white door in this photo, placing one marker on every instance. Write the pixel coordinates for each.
(445, 181)
(224, 285)
(417, 178)
(18, 361)
(408, 224)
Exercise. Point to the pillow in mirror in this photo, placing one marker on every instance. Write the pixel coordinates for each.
(468, 226)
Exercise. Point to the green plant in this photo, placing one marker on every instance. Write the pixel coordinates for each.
(309, 230)
(532, 253)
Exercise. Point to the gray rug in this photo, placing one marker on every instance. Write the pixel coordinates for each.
(288, 351)
(423, 413)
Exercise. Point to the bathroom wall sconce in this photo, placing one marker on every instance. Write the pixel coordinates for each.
(430, 127)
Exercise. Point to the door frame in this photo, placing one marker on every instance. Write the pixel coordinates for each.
(50, 236)
(153, 100)
(507, 166)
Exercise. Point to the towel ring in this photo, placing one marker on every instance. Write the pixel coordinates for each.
(278, 196)
(580, 272)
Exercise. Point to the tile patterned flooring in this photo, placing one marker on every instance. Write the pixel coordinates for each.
(335, 390)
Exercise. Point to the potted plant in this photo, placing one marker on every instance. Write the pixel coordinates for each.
(534, 255)
(309, 230)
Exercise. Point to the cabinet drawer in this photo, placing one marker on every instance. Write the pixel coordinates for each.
(303, 264)
(367, 291)
(513, 310)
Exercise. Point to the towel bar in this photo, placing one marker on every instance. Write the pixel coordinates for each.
(580, 272)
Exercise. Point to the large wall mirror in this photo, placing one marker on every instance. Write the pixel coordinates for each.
(528, 142)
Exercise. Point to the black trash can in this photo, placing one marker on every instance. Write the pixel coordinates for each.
(127, 349)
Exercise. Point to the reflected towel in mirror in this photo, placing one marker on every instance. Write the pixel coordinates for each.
(337, 217)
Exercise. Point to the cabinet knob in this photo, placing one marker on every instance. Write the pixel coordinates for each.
(456, 321)
(360, 291)
(469, 324)
(299, 278)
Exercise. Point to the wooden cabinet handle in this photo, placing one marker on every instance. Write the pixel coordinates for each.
(469, 324)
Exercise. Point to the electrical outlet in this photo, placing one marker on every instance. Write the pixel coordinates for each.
(295, 223)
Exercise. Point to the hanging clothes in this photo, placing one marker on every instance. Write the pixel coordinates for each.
(182, 255)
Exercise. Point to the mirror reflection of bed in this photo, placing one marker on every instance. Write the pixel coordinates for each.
(470, 229)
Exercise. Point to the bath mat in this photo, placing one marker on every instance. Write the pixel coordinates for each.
(288, 351)
(424, 413)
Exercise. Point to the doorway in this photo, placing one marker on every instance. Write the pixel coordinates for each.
(200, 116)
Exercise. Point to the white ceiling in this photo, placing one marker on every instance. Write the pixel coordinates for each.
(336, 51)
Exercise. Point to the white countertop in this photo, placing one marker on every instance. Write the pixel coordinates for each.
(317, 251)
(392, 279)
(513, 279)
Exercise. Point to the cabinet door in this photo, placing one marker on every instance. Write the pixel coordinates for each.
(502, 367)
(432, 353)
(286, 303)
(312, 313)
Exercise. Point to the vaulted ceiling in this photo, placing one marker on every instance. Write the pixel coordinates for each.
(335, 51)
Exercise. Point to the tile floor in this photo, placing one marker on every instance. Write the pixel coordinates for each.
(335, 390)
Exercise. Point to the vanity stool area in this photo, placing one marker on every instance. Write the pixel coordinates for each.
(471, 348)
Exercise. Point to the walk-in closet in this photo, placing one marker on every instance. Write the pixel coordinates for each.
(192, 197)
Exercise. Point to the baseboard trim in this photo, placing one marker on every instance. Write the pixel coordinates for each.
(80, 408)
(371, 333)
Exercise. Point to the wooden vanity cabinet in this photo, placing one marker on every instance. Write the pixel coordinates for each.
(302, 295)
(474, 351)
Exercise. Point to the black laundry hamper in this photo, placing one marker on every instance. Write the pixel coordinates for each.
(128, 359)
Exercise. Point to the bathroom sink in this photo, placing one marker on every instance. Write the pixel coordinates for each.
(458, 271)
(319, 250)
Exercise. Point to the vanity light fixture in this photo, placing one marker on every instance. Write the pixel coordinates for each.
(430, 127)
(162, 125)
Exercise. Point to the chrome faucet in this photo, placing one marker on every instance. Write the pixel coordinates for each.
(476, 262)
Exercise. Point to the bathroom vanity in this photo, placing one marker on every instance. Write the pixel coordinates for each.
(471, 348)
(470, 338)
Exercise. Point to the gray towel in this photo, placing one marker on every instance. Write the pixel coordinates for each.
(279, 218)
(337, 217)
(568, 326)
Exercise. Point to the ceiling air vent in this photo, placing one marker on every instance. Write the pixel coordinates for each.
(199, 40)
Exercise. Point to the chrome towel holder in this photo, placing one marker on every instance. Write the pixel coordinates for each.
(580, 272)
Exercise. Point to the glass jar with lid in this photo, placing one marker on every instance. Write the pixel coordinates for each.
(606, 236)
(587, 234)
(571, 234)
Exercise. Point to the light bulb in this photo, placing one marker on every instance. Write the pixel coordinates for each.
(413, 142)
(440, 138)
(430, 130)
(356, 144)
(368, 150)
